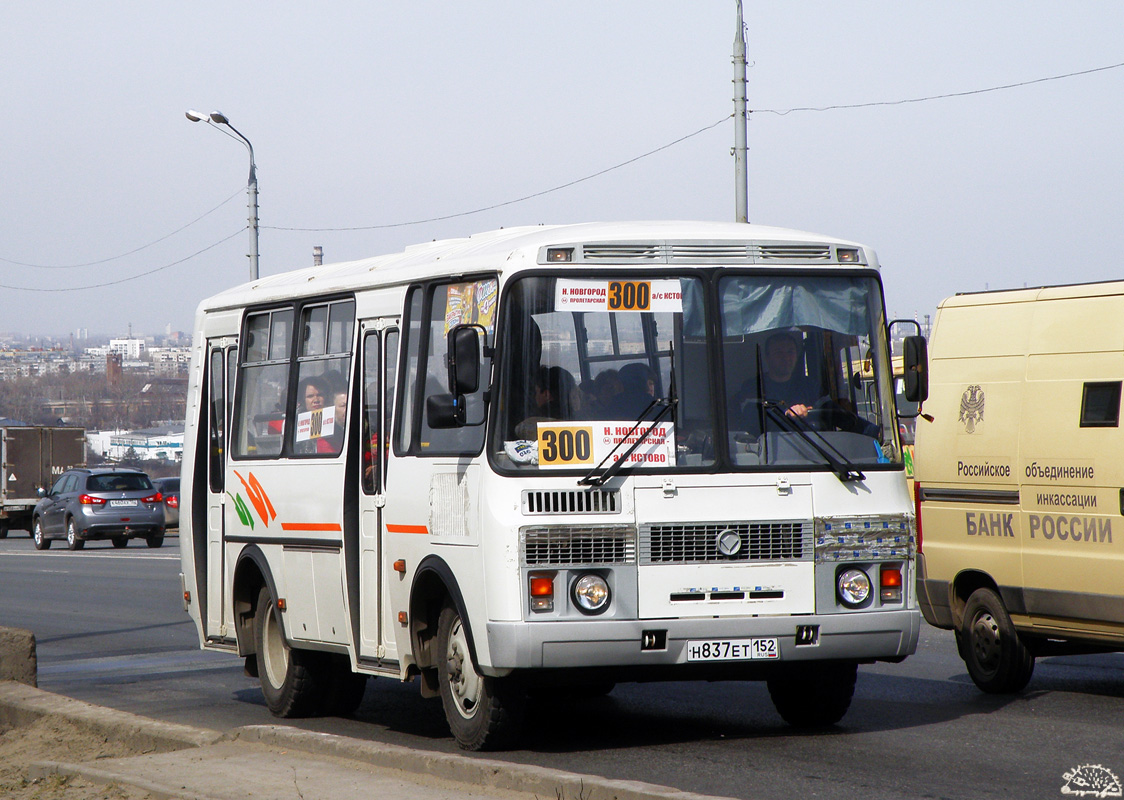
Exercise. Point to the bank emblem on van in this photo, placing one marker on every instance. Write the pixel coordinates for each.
(972, 407)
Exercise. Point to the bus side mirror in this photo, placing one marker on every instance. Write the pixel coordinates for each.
(915, 361)
(464, 359)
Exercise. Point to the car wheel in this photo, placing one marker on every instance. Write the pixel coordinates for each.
(120, 541)
(4, 529)
(290, 681)
(813, 694)
(73, 541)
(41, 541)
(155, 540)
(483, 713)
(997, 659)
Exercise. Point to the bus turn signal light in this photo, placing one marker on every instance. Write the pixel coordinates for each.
(891, 581)
(542, 591)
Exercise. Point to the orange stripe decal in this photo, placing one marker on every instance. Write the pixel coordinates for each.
(406, 529)
(310, 526)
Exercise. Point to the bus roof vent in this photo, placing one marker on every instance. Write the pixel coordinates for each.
(793, 252)
(571, 501)
(718, 252)
(622, 252)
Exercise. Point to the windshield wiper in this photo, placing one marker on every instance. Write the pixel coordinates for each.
(843, 469)
(595, 477)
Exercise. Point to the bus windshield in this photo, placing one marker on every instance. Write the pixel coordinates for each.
(591, 366)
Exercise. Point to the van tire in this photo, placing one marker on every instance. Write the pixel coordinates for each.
(997, 659)
(813, 694)
(290, 681)
(483, 713)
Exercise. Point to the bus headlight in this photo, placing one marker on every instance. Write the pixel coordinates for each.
(853, 587)
(591, 594)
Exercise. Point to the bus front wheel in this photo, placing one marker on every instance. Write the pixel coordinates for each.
(291, 684)
(483, 713)
(813, 694)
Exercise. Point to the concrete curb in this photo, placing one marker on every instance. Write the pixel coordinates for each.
(45, 769)
(17, 656)
(478, 772)
(23, 705)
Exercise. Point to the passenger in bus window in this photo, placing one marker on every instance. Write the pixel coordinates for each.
(638, 389)
(556, 397)
(313, 394)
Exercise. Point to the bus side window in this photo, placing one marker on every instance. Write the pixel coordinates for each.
(371, 416)
(263, 383)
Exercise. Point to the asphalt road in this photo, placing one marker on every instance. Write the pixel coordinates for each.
(111, 630)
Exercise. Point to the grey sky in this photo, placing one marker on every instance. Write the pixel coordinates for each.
(373, 113)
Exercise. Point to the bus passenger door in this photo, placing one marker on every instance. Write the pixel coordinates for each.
(380, 357)
(222, 359)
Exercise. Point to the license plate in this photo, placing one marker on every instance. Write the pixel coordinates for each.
(731, 649)
(123, 503)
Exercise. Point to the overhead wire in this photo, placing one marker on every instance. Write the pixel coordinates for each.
(927, 98)
(568, 184)
(127, 278)
(131, 252)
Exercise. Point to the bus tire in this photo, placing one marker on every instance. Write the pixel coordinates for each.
(997, 659)
(290, 682)
(483, 713)
(813, 694)
(41, 541)
(343, 689)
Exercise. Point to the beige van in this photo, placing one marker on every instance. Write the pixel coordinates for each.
(1019, 477)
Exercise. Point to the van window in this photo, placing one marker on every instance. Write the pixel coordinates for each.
(1100, 405)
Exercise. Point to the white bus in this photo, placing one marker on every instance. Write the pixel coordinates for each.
(549, 459)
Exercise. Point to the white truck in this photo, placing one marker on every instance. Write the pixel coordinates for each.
(31, 457)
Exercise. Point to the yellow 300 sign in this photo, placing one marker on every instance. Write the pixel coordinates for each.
(565, 446)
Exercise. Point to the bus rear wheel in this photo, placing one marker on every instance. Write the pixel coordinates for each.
(290, 682)
(483, 713)
(997, 659)
(813, 694)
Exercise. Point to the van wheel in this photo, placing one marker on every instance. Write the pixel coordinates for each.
(483, 713)
(813, 694)
(41, 541)
(290, 682)
(73, 541)
(997, 659)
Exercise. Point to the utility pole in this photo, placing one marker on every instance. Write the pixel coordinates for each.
(741, 171)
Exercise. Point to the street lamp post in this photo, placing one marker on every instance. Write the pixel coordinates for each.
(217, 119)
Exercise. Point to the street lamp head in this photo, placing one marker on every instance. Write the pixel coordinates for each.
(219, 118)
(195, 116)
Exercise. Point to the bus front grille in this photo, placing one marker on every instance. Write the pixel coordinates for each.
(571, 501)
(559, 546)
(716, 543)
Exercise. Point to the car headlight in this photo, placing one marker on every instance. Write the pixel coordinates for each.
(853, 587)
(591, 594)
